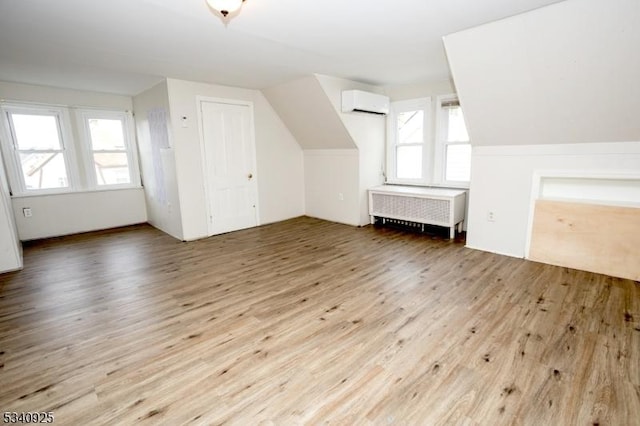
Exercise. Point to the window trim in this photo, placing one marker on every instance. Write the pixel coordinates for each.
(11, 152)
(441, 144)
(397, 107)
(76, 144)
(83, 116)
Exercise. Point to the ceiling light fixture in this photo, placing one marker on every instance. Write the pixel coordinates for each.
(225, 7)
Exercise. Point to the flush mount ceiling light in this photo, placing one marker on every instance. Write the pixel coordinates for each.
(225, 7)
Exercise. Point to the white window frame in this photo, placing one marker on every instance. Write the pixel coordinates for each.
(396, 108)
(441, 144)
(9, 147)
(83, 117)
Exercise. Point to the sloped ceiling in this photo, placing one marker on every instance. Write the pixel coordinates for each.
(127, 46)
(566, 73)
(304, 107)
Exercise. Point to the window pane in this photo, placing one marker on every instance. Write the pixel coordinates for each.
(458, 167)
(106, 134)
(410, 127)
(409, 162)
(36, 131)
(44, 170)
(112, 169)
(457, 129)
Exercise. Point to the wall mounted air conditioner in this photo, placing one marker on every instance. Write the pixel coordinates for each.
(361, 101)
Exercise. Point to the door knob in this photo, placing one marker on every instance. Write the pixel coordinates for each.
(250, 176)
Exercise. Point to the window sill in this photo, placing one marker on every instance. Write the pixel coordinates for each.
(429, 184)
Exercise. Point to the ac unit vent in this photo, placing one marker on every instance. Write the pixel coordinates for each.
(370, 112)
(360, 101)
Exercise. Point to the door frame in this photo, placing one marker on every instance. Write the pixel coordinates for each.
(203, 163)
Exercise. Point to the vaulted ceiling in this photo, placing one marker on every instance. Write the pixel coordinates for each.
(126, 46)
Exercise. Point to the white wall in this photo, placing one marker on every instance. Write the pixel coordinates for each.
(157, 163)
(335, 181)
(68, 210)
(311, 108)
(332, 189)
(501, 181)
(78, 212)
(371, 150)
(565, 73)
(57, 96)
(420, 90)
(368, 131)
(552, 89)
(10, 248)
(280, 161)
(279, 158)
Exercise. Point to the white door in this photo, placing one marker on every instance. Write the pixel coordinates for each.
(229, 166)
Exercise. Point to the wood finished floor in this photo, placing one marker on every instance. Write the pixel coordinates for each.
(311, 322)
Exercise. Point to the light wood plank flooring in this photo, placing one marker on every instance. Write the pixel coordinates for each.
(311, 322)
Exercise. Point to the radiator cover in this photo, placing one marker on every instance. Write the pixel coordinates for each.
(431, 206)
(411, 208)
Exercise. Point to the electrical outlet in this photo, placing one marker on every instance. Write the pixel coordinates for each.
(491, 216)
(27, 212)
(340, 196)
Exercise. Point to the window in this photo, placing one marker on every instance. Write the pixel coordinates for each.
(408, 135)
(454, 146)
(110, 154)
(42, 156)
(412, 156)
(37, 154)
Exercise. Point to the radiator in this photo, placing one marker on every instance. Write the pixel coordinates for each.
(430, 206)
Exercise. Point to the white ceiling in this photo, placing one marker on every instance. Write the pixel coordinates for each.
(126, 46)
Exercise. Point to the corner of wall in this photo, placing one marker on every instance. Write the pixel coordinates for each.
(368, 132)
(10, 247)
(157, 159)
